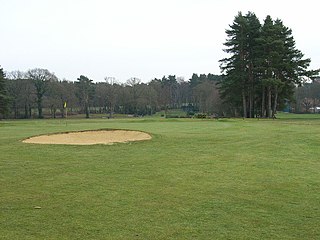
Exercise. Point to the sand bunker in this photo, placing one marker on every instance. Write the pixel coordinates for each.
(90, 137)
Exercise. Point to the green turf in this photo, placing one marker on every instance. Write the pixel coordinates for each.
(196, 179)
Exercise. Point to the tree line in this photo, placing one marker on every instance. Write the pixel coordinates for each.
(307, 98)
(37, 89)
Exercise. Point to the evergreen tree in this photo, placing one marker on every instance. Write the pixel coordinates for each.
(239, 69)
(272, 49)
(254, 27)
(194, 80)
(4, 98)
(282, 66)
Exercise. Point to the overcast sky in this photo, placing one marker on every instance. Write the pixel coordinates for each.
(137, 38)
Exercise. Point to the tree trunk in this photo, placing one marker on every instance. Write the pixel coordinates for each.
(26, 111)
(39, 102)
(251, 107)
(269, 102)
(87, 111)
(51, 111)
(263, 114)
(251, 91)
(110, 110)
(15, 110)
(274, 110)
(244, 103)
(30, 111)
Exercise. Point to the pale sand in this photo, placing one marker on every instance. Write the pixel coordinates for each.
(90, 137)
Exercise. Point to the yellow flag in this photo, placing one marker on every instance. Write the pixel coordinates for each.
(65, 104)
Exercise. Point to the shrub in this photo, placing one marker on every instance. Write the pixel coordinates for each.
(200, 115)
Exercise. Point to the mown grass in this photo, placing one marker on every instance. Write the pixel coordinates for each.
(196, 179)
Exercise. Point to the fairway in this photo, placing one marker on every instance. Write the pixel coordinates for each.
(195, 179)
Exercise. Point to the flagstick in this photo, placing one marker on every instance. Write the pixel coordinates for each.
(66, 111)
(66, 115)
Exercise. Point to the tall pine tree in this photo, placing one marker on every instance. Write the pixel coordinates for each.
(238, 85)
(4, 98)
(282, 66)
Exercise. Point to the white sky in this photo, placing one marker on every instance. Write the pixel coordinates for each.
(137, 38)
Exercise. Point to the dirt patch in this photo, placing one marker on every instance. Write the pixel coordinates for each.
(90, 137)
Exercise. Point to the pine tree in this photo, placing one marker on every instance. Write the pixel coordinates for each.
(282, 65)
(270, 57)
(239, 69)
(253, 46)
(4, 98)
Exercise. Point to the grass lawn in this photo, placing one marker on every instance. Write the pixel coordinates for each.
(196, 179)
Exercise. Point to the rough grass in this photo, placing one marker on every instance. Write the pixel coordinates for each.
(196, 179)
